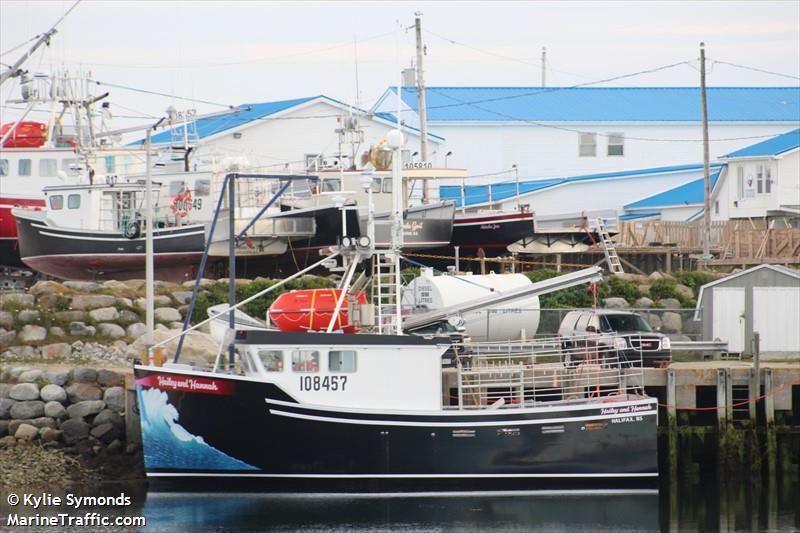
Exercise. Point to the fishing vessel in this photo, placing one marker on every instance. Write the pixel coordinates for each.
(382, 409)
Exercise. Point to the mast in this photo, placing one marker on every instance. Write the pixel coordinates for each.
(148, 264)
(423, 113)
(706, 170)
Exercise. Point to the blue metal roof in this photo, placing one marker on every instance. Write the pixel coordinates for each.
(213, 125)
(687, 194)
(479, 194)
(453, 104)
(389, 117)
(644, 214)
(771, 147)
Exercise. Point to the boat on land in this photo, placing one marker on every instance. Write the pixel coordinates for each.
(384, 410)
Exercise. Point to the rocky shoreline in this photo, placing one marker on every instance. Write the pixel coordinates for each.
(65, 426)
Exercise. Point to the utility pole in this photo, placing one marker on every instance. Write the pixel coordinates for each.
(544, 66)
(423, 114)
(706, 171)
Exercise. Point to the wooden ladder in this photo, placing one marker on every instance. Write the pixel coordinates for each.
(610, 251)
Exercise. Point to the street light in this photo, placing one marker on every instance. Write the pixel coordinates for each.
(448, 154)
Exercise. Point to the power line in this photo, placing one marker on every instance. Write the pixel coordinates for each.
(134, 89)
(755, 69)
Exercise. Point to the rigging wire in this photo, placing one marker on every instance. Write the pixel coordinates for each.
(755, 69)
(145, 91)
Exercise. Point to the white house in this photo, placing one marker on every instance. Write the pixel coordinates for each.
(762, 181)
(563, 131)
(290, 135)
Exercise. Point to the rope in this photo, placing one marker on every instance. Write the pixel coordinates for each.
(731, 405)
(498, 260)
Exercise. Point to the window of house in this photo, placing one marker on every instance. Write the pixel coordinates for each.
(272, 360)
(740, 181)
(305, 361)
(3, 167)
(768, 180)
(759, 179)
(202, 187)
(56, 202)
(176, 187)
(342, 361)
(74, 201)
(48, 168)
(616, 144)
(716, 207)
(387, 185)
(588, 145)
(24, 167)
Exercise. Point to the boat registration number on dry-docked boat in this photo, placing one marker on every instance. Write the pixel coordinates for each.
(326, 383)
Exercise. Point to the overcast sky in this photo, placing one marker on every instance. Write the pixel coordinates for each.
(236, 52)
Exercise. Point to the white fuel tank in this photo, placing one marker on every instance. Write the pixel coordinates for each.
(514, 320)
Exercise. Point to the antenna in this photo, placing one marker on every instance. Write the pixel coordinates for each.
(355, 68)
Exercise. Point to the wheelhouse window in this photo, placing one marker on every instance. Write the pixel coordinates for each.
(57, 202)
(616, 144)
(70, 167)
(24, 167)
(3, 167)
(342, 361)
(272, 360)
(387, 185)
(331, 185)
(202, 188)
(588, 145)
(305, 361)
(110, 164)
(376, 185)
(74, 201)
(48, 168)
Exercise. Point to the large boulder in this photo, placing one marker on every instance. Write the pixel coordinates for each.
(24, 391)
(56, 377)
(108, 416)
(86, 286)
(197, 347)
(204, 283)
(107, 378)
(79, 329)
(136, 330)
(6, 320)
(53, 393)
(31, 333)
(126, 316)
(46, 287)
(106, 433)
(50, 434)
(74, 430)
(114, 397)
(28, 409)
(115, 285)
(655, 276)
(671, 323)
(28, 315)
(87, 408)
(81, 392)
(70, 316)
(26, 432)
(5, 407)
(7, 337)
(643, 303)
(182, 297)
(159, 300)
(104, 314)
(56, 350)
(17, 299)
(84, 374)
(670, 303)
(3, 428)
(167, 314)
(110, 330)
(654, 320)
(616, 303)
(55, 410)
(30, 376)
(57, 331)
(92, 301)
(684, 291)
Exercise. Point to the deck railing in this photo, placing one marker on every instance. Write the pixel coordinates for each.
(526, 373)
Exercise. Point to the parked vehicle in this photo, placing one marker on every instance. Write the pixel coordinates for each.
(626, 332)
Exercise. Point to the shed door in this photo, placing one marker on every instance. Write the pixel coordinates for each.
(776, 314)
(728, 319)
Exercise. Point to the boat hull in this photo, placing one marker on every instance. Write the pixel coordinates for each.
(81, 255)
(199, 426)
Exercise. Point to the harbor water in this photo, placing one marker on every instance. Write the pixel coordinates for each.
(711, 505)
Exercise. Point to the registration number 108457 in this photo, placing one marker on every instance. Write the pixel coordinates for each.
(326, 383)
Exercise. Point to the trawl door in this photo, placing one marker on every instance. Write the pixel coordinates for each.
(728, 319)
(776, 315)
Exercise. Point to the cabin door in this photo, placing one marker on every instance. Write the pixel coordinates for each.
(728, 317)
